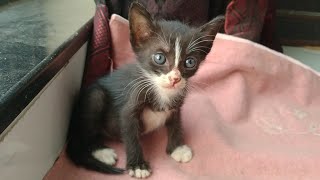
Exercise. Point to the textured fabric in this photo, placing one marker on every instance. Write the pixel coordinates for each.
(253, 20)
(253, 114)
(99, 59)
(244, 18)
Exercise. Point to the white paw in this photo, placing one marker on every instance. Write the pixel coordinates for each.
(139, 173)
(182, 154)
(106, 155)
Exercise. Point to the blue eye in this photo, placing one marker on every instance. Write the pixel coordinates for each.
(159, 58)
(190, 63)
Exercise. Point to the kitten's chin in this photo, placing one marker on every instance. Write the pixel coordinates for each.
(174, 87)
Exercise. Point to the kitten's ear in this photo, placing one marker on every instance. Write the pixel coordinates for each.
(211, 28)
(141, 25)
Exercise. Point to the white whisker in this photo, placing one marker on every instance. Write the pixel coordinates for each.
(196, 49)
(170, 38)
(200, 42)
(202, 47)
(190, 40)
(161, 38)
(141, 89)
(163, 35)
(131, 83)
(135, 86)
(191, 88)
(145, 95)
(195, 41)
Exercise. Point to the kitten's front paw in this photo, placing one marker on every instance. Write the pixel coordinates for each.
(140, 171)
(182, 154)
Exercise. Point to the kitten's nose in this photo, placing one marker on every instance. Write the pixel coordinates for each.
(174, 79)
(175, 76)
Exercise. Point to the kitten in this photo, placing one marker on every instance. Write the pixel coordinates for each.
(139, 98)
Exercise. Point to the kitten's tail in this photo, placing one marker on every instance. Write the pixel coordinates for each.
(84, 158)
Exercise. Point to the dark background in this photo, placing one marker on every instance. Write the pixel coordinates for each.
(298, 22)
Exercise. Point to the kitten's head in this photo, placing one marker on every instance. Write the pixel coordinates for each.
(169, 52)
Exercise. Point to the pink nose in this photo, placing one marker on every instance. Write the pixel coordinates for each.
(174, 80)
(175, 76)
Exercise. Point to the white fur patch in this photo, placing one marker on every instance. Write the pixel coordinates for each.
(182, 154)
(177, 52)
(154, 119)
(106, 155)
(139, 173)
(160, 83)
(166, 95)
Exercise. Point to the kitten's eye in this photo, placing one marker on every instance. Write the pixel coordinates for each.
(190, 62)
(159, 58)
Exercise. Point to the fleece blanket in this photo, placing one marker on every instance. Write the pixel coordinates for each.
(253, 114)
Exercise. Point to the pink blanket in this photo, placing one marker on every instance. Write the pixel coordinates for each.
(253, 114)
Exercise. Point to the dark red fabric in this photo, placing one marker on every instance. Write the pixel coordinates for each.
(245, 18)
(99, 60)
(253, 20)
(269, 36)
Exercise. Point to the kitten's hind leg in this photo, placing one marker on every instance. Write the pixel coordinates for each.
(87, 136)
(93, 156)
(106, 155)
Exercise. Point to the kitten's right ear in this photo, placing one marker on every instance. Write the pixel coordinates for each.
(141, 25)
(212, 27)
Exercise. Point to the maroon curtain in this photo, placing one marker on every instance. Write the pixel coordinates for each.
(253, 20)
(99, 60)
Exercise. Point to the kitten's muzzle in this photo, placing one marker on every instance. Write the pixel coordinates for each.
(174, 77)
(174, 80)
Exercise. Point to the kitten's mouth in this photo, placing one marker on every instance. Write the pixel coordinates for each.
(172, 85)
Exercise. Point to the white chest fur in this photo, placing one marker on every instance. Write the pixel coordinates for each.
(154, 119)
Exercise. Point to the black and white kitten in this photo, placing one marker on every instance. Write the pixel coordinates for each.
(140, 97)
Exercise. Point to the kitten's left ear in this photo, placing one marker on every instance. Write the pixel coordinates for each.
(141, 24)
(211, 28)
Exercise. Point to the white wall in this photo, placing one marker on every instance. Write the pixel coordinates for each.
(307, 55)
(30, 148)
